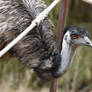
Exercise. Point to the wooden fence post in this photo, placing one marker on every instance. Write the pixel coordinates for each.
(60, 32)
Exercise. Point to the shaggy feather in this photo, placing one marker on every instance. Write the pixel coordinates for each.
(39, 46)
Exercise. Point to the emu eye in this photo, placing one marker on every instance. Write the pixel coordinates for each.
(74, 36)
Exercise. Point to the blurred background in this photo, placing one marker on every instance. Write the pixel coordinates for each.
(15, 78)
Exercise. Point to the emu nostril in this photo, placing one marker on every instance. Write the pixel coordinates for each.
(87, 43)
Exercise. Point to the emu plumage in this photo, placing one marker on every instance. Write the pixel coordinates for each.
(39, 45)
(38, 49)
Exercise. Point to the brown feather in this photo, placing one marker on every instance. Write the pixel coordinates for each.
(38, 48)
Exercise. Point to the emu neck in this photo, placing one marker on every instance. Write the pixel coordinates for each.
(67, 54)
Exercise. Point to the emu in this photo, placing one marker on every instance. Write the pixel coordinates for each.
(38, 49)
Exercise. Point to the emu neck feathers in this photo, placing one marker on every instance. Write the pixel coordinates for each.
(67, 54)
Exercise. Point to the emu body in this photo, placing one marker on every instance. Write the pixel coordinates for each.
(38, 49)
(39, 46)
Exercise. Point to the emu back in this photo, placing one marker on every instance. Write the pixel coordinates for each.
(38, 48)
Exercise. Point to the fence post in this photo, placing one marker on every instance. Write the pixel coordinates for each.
(60, 32)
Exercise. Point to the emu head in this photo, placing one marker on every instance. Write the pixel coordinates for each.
(77, 36)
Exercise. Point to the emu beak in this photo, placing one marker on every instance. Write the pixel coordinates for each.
(87, 41)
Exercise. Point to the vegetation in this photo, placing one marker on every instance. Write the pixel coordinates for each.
(15, 78)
